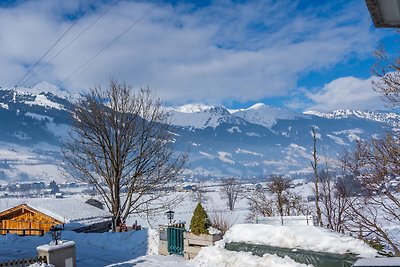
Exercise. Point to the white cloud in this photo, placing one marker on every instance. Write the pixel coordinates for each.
(208, 55)
(346, 93)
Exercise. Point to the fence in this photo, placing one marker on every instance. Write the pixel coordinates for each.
(23, 262)
(22, 232)
(287, 220)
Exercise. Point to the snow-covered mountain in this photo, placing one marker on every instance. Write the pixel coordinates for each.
(391, 118)
(265, 115)
(249, 142)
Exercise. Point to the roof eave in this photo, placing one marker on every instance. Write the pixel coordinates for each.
(376, 15)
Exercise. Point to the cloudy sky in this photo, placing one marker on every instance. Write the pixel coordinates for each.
(305, 54)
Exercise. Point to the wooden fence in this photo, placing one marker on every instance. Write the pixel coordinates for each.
(21, 232)
(23, 262)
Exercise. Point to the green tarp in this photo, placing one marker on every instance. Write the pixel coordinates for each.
(317, 259)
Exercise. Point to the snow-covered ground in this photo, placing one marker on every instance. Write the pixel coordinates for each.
(140, 248)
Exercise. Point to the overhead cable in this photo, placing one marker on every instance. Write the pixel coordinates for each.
(54, 44)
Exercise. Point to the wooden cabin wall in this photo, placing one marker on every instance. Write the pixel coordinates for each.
(26, 219)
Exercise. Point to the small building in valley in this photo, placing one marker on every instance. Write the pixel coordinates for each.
(36, 216)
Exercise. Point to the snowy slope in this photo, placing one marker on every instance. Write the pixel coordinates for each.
(265, 115)
(391, 118)
(201, 118)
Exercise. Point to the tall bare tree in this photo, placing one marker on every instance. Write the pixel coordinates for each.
(335, 200)
(121, 143)
(376, 163)
(314, 165)
(231, 189)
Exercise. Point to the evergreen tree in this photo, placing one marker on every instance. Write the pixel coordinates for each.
(200, 222)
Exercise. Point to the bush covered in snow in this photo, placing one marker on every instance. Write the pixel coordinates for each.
(200, 222)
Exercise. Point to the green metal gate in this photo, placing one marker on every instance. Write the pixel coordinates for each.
(175, 240)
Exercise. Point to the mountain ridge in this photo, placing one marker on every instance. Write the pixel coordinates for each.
(248, 142)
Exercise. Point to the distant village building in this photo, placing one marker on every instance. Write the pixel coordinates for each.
(36, 216)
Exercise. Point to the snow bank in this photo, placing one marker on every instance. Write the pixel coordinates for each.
(217, 256)
(41, 265)
(301, 237)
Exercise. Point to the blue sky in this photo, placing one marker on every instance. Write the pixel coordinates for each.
(300, 55)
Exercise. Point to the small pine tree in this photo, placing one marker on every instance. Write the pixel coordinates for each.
(200, 222)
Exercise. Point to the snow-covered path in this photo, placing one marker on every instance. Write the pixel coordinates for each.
(156, 261)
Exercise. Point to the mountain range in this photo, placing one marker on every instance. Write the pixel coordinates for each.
(255, 141)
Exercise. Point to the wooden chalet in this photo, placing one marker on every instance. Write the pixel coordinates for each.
(25, 220)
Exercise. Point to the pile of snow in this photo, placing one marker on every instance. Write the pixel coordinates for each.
(217, 256)
(41, 265)
(301, 237)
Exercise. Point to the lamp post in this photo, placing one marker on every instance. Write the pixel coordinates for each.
(56, 233)
(170, 215)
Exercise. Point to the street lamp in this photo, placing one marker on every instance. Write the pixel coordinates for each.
(170, 215)
(56, 233)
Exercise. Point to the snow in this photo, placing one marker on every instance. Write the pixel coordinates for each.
(92, 249)
(41, 265)
(52, 247)
(41, 100)
(217, 256)
(378, 262)
(337, 140)
(191, 108)
(302, 237)
(199, 119)
(38, 117)
(223, 156)
(390, 118)
(134, 249)
(248, 152)
(265, 115)
(2, 105)
(42, 88)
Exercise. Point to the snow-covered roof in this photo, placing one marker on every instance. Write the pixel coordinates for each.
(301, 237)
(68, 210)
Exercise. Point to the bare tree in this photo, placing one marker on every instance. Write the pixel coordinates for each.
(231, 189)
(200, 193)
(388, 70)
(260, 204)
(278, 200)
(314, 165)
(278, 186)
(335, 200)
(121, 143)
(376, 163)
(220, 220)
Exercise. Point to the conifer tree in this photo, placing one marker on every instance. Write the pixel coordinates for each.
(200, 222)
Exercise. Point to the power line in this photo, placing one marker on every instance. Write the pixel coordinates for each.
(54, 44)
(89, 61)
(73, 40)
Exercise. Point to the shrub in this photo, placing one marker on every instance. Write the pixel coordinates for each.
(200, 222)
(220, 221)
